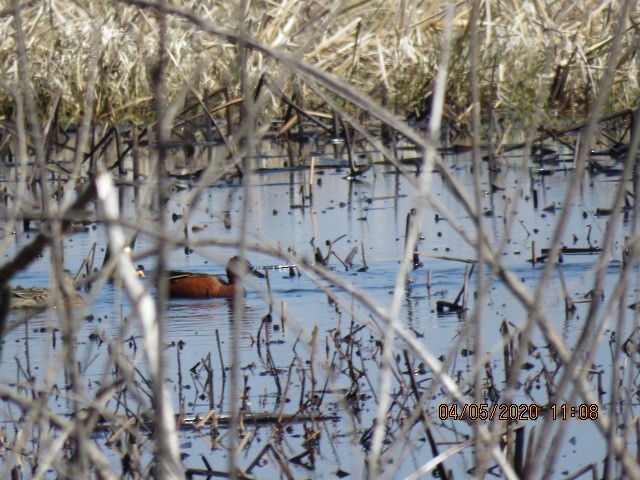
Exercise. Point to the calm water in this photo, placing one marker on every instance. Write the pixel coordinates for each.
(371, 212)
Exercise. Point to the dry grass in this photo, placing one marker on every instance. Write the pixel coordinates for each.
(382, 48)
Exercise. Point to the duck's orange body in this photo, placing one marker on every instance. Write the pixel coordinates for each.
(204, 285)
(198, 285)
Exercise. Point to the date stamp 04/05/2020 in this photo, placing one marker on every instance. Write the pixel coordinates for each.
(516, 411)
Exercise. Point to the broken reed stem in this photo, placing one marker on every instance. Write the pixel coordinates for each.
(266, 273)
(533, 252)
(299, 97)
(465, 288)
(518, 453)
(347, 141)
(259, 336)
(135, 156)
(416, 257)
(465, 285)
(312, 370)
(285, 394)
(326, 381)
(258, 457)
(224, 370)
(265, 324)
(209, 380)
(568, 302)
(274, 372)
(119, 151)
(441, 472)
(87, 261)
(283, 316)
(245, 393)
(303, 381)
(179, 346)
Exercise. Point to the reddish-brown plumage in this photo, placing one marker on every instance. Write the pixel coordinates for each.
(204, 285)
(198, 285)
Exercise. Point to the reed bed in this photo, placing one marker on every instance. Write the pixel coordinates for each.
(528, 51)
(212, 73)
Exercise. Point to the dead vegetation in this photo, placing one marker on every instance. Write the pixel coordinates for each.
(527, 52)
(220, 76)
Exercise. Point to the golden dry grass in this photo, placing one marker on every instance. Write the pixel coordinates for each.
(383, 48)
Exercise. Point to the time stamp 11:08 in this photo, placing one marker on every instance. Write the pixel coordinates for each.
(516, 411)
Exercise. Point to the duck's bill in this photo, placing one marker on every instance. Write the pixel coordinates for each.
(255, 272)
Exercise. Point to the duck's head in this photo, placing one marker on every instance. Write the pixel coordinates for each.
(237, 265)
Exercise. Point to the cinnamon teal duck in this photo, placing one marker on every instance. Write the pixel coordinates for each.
(204, 285)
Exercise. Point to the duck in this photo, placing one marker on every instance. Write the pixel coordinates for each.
(40, 297)
(204, 285)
